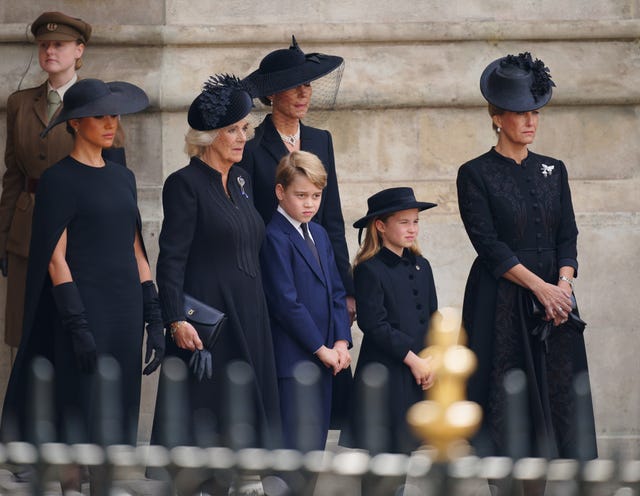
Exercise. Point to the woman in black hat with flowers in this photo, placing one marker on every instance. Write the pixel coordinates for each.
(517, 210)
(209, 245)
(284, 81)
(395, 298)
(89, 288)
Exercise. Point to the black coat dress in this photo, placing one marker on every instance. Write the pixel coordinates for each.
(98, 208)
(519, 214)
(395, 298)
(209, 248)
(260, 159)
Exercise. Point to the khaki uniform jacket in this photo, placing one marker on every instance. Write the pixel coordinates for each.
(26, 156)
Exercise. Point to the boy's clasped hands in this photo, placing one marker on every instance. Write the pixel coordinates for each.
(336, 358)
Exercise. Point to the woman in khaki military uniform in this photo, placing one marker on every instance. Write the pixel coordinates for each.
(61, 40)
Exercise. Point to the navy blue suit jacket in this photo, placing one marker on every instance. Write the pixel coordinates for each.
(306, 301)
(260, 159)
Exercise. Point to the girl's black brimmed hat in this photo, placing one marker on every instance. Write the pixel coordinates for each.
(517, 83)
(224, 100)
(289, 68)
(391, 200)
(93, 97)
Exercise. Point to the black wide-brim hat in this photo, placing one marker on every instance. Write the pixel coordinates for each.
(93, 97)
(391, 200)
(289, 68)
(224, 100)
(517, 83)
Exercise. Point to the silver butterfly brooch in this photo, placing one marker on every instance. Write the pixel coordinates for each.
(546, 170)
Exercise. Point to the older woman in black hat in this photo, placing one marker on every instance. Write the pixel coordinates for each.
(284, 81)
(89, 287)
(517, 210)
(209, 245)
(61, 40)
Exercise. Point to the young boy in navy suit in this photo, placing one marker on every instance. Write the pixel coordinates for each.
(305, 295)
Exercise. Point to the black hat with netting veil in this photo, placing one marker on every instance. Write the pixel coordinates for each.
(224, 100)
(517, 83)
(93, 97)
(288, 68)
(391, 200)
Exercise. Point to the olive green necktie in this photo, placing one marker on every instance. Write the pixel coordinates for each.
(53, 102)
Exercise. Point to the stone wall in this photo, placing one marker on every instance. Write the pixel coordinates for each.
(409, 112)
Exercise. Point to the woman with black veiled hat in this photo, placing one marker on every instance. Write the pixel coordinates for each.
(89, 287)
(285, 81)
(209, 246)
(517, 210)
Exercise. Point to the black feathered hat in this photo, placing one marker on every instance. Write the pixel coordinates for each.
(93, 97)
(517, 83)
(224, 101)
(288, 68)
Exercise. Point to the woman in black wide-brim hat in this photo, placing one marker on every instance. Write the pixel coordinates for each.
(517, 210)
(89, 288)
(285, 81)
(60, 41)
(209, 249)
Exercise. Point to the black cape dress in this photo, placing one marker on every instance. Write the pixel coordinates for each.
(520, 214)
(98, 207)
(209, 248)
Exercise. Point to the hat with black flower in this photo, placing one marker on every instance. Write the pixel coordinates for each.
(224, 100)
(517, 83)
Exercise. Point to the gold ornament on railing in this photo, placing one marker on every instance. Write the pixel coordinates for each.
(445, 420)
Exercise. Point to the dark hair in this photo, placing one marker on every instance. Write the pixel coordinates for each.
(493, 110)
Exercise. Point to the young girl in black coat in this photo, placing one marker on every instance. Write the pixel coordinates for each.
(395, 298)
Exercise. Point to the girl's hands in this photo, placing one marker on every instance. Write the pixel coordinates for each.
(421, 369)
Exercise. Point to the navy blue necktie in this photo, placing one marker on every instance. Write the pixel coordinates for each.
(309, 241)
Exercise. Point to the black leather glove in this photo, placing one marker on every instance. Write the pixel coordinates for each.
(155, 327)
(4, 266)
(201, 364)
(74, 321)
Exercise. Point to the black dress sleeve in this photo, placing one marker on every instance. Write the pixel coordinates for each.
(373, 318)
(567, 252)
(475, 210)
(333, 221)
(180, 208)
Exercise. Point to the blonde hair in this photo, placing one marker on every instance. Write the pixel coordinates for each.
(373, 242)
(196, 142)
(301, 163)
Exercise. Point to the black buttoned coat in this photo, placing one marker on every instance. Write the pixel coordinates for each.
(395, 298)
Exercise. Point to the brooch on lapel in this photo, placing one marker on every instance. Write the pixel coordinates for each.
(241, 183)
(546, 170)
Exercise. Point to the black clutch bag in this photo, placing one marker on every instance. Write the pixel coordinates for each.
(207, 320)
(535, 309)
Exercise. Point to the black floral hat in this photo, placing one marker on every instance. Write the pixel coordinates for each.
(224, 100)
(517, 83)
(288, 68)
